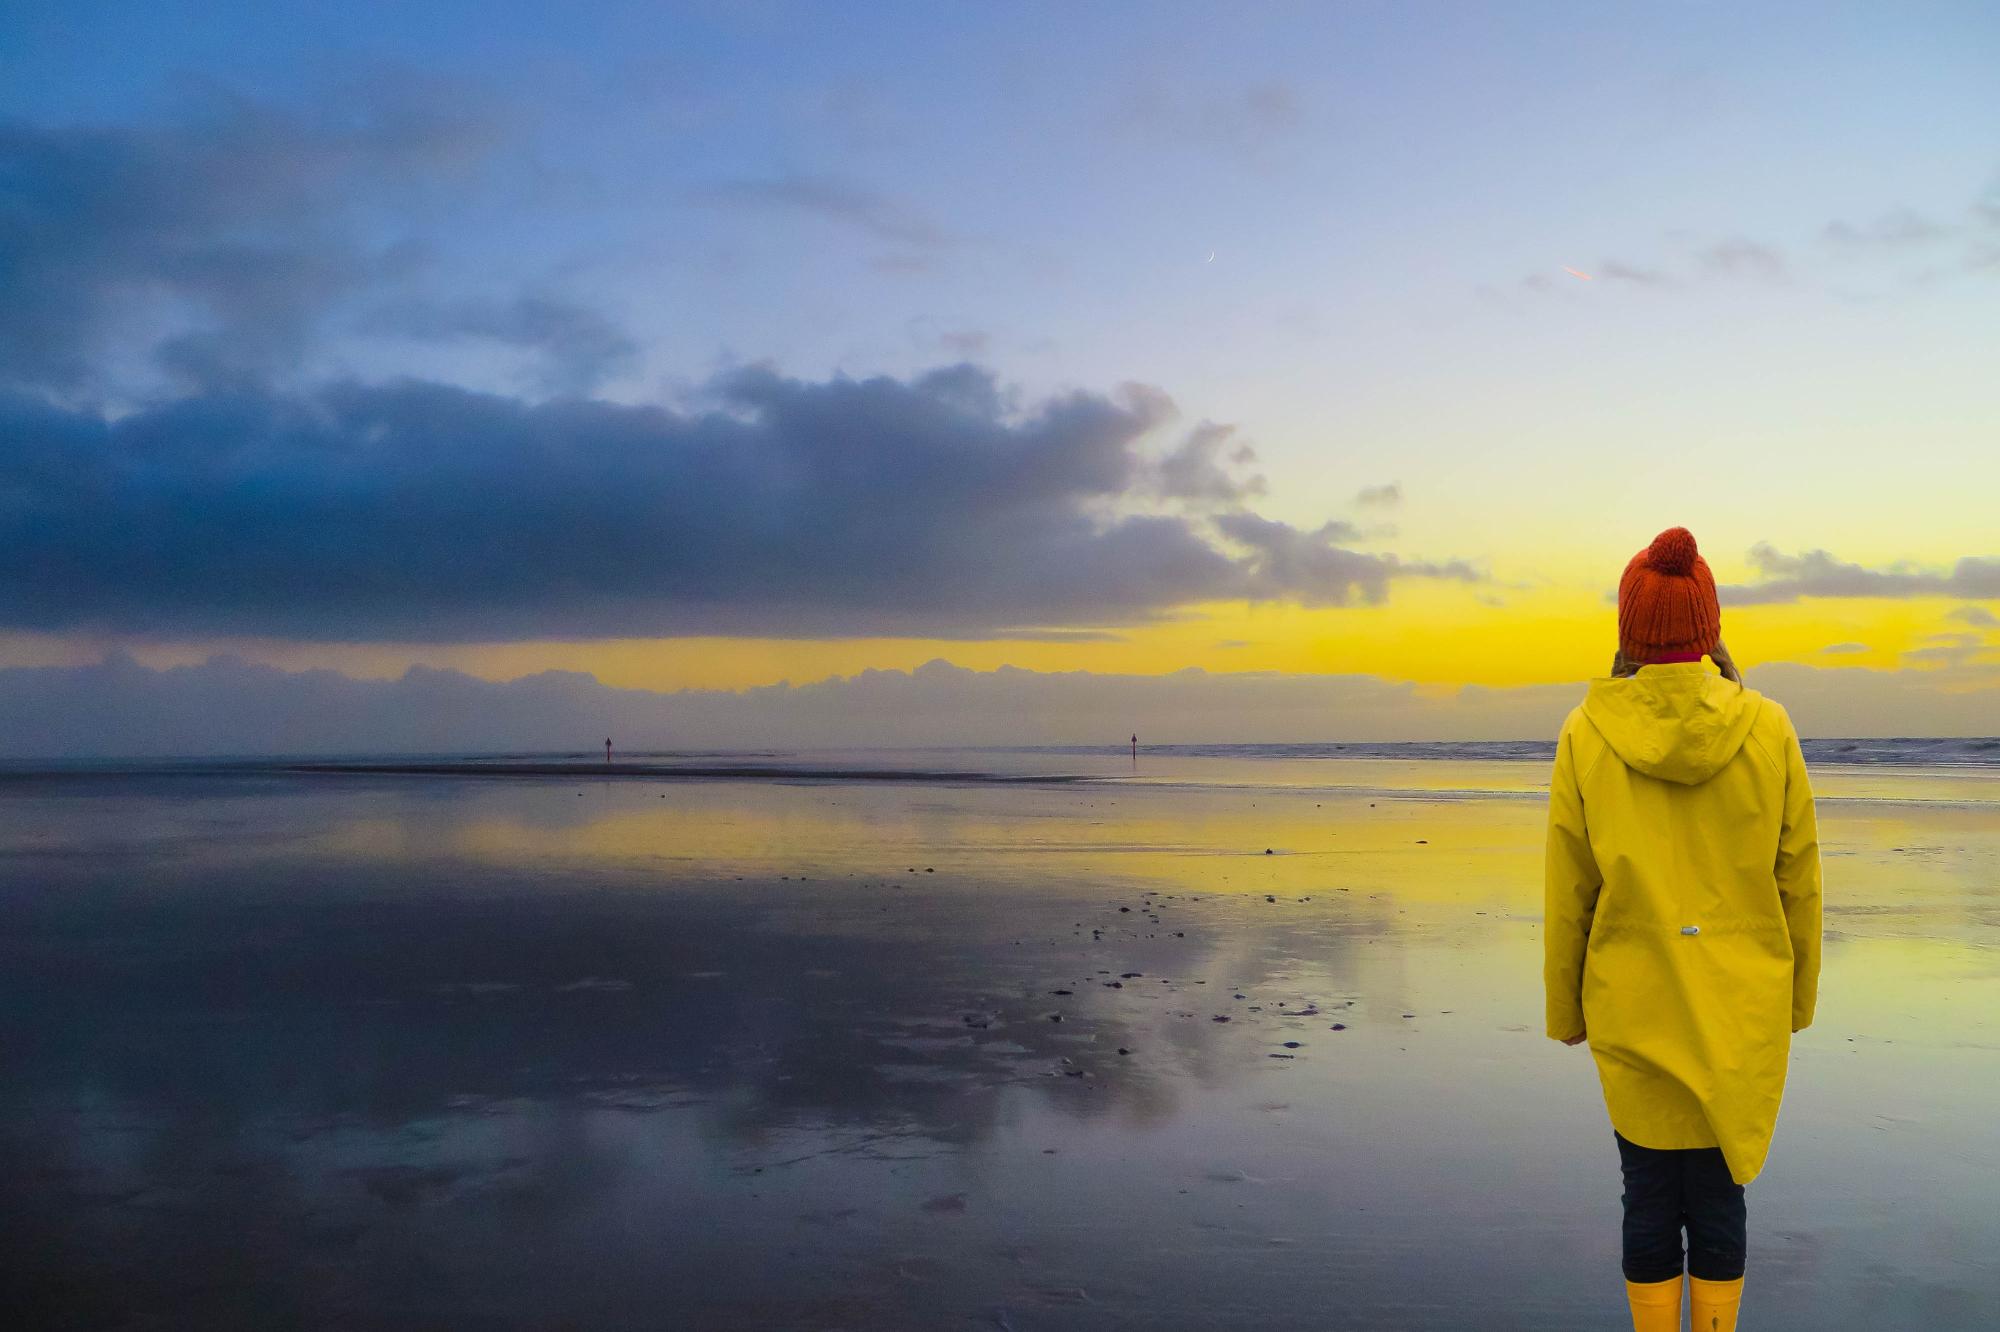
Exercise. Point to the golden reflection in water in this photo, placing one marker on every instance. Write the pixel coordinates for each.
(1173, 839)
(641, 1064)
(1907, 854)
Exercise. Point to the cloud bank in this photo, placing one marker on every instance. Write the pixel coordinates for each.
(227, 706)
(1816, 573)
(419, 511)
(174, 462)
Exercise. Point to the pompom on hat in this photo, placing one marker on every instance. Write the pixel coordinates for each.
(1666, 601)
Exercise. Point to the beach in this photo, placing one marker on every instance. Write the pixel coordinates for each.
(922, 1040)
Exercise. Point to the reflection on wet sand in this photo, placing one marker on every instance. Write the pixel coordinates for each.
(401, 1052)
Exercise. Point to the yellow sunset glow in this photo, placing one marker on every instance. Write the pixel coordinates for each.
(1435, 634)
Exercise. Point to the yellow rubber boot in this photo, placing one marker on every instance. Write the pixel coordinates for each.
(1715, 1304)
(1656, 1305)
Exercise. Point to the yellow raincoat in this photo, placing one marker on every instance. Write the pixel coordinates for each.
(1682, 922)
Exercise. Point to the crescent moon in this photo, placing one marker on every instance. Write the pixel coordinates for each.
(1211, 257)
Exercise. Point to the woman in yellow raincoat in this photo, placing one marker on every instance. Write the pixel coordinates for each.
(1682, 926)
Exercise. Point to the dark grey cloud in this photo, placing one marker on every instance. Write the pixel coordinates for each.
(1313, 568)
(1978, 616)
(226, 232)
(229, 706)
(419, 511)
(1842, 649)
(1816, 573)
(1382, 497)
(576, 347)
(1206, 467)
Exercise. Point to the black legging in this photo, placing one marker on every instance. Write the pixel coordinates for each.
(1666, 1190)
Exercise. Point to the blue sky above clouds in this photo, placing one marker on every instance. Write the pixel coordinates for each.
(1556, 274)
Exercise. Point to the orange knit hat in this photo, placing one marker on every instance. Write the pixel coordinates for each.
(1666, 600)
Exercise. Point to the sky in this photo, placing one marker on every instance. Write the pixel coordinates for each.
(706, 347)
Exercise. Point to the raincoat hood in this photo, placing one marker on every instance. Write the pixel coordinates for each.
(1674, 721)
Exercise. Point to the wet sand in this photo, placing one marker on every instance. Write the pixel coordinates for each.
(421, 1051)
